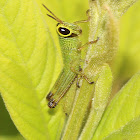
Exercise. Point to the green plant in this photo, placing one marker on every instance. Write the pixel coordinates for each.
(30, 61)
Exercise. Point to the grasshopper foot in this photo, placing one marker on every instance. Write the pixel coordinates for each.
(52, 103)
(77, 84)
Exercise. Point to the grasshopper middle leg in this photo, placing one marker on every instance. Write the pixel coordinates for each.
(81, 74)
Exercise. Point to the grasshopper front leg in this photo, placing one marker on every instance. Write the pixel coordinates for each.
(88, 43)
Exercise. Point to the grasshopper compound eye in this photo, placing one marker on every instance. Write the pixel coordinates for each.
(66, 31)
(63, 31)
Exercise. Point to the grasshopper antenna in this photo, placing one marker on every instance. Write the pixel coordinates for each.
(53, 15)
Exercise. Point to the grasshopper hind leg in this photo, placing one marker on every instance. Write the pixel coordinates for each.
(52, 102)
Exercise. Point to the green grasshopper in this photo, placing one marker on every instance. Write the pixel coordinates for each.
(71, 51)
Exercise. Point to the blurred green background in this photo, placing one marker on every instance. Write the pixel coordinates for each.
(126, 64)
(127, 61)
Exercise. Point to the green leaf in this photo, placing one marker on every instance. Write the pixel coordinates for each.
(130, 131)
(29, 66)
(122, 113)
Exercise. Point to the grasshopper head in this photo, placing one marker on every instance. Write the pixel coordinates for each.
(66, 29)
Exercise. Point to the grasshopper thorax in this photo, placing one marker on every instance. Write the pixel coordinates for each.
(66, 29)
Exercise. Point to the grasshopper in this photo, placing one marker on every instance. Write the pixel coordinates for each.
(71, 47)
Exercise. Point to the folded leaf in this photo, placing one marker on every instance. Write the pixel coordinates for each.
(122, 113)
